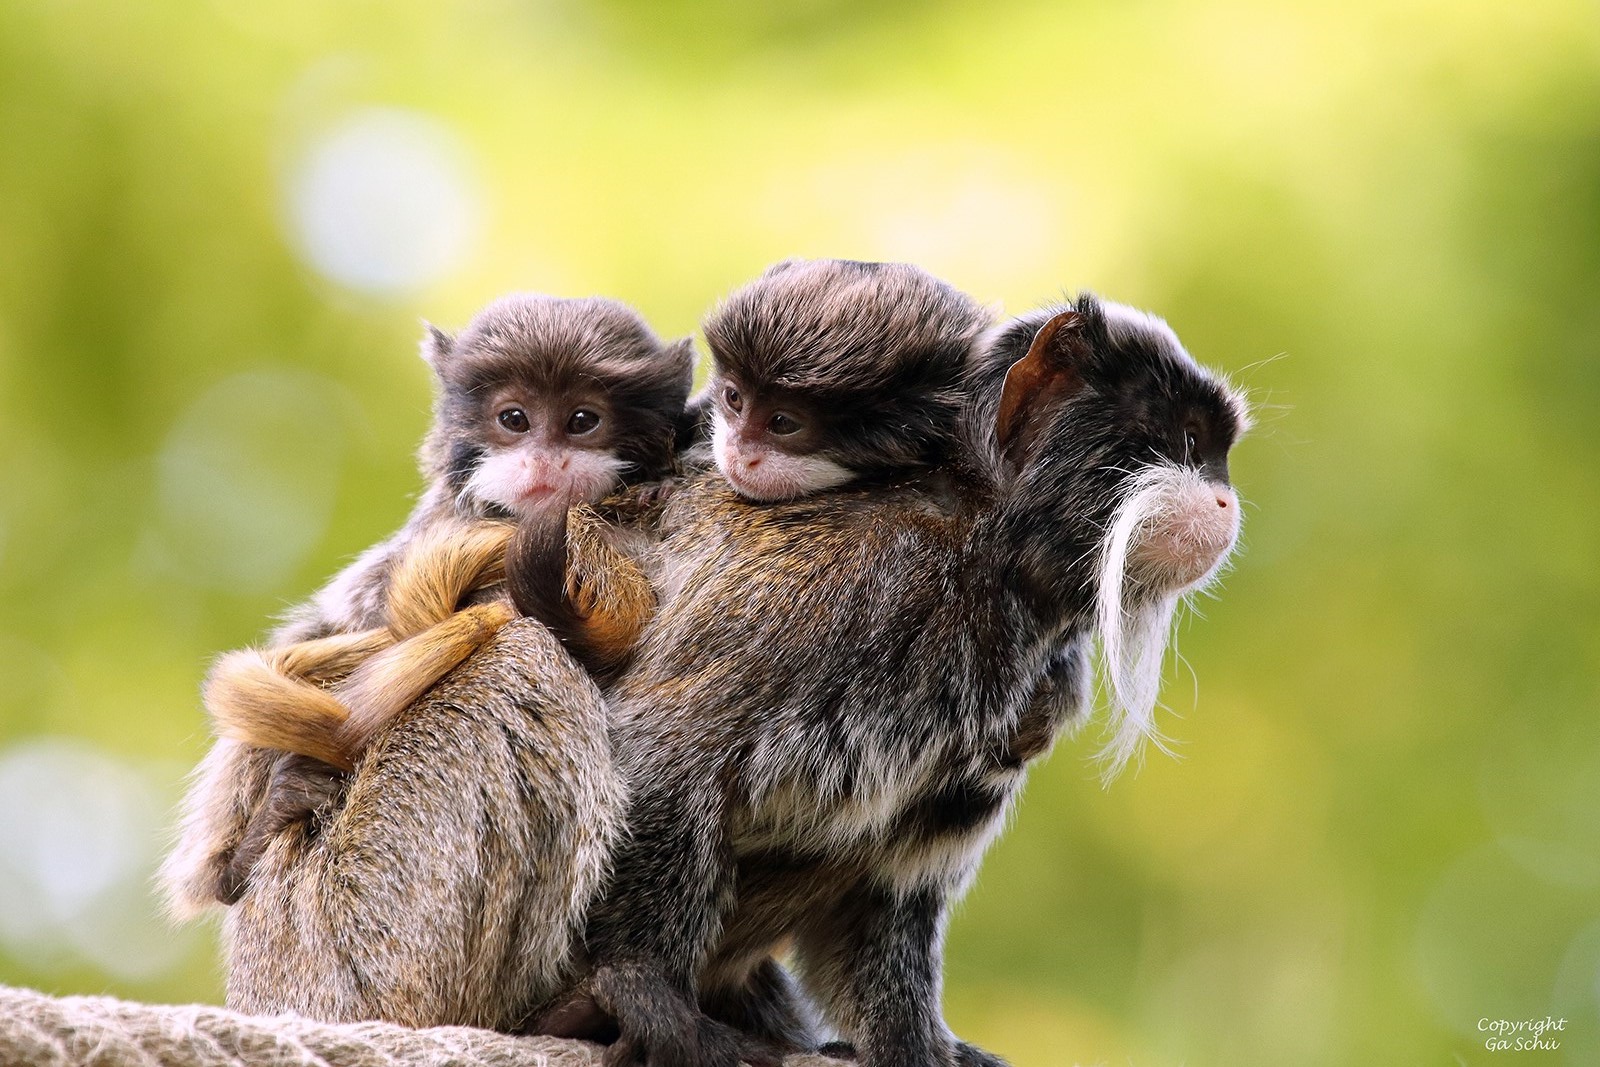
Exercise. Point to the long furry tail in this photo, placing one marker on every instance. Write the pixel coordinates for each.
(325, 698)
(252, 698)
(536, 575)
(393, 680)
(441, 568)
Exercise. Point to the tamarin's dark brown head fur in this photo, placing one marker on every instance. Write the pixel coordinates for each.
(544, 398)
(830, 370)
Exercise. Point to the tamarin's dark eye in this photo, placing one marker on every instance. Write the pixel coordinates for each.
(731, 397)
(514, 419)
(783, 425)
(582, 421)
(1190, 445)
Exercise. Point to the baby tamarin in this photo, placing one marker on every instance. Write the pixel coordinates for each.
(824, 372)
(830, 371)
(831, 711)
(542, 401)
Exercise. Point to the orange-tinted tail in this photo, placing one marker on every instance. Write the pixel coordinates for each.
(325, 698)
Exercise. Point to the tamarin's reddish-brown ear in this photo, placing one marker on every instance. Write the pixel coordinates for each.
(1045, 376)
(436, 345)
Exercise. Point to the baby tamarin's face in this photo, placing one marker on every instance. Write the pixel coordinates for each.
(544, 448)
(830, 370)
(773, 444)
(546, 402)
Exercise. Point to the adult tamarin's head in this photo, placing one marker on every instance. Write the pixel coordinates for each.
(1107, 430)
(829, 370)
(544, 400)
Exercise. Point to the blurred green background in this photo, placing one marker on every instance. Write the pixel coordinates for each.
(221, 222)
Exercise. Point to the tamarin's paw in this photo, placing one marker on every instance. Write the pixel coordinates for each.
(654, 494)
(301, 788)
(660, 1025)
(706, 1044)
(749, 1049)
(722, 1044)
(232, 878)
(579, 1017)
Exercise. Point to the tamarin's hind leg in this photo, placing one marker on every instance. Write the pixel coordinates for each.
(874, 956)
(300, 786)
(222, 799)
(449, 887)
(768, 1009)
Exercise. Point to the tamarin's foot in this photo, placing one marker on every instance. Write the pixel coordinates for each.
(301, 789)
(712, 1044)
(656, 1025)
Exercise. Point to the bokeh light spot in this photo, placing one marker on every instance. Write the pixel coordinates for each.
(384, 201)
(72, 829)
(1491, 939)
(248, 476)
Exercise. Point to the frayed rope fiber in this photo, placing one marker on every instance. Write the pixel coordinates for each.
(42, 1031)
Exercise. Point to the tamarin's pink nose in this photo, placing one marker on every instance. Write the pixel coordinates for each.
(752, 464)
(1222, 501)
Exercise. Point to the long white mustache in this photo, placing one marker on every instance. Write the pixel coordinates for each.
(1169, 537)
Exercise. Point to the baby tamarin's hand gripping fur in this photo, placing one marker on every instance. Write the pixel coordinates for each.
(829, 715)
(541, 400)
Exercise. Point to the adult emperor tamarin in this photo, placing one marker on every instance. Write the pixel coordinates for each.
(829, 715)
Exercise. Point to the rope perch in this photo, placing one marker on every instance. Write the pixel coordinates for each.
(42, 1031)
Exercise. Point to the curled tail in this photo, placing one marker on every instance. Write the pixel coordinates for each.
(536, 577)
(441, 568)
(252, 698)
(394, 679)
(325, 698)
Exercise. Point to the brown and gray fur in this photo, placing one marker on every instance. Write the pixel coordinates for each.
(825, 372)
(829, 716)
(535, 345)
(446, 885)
